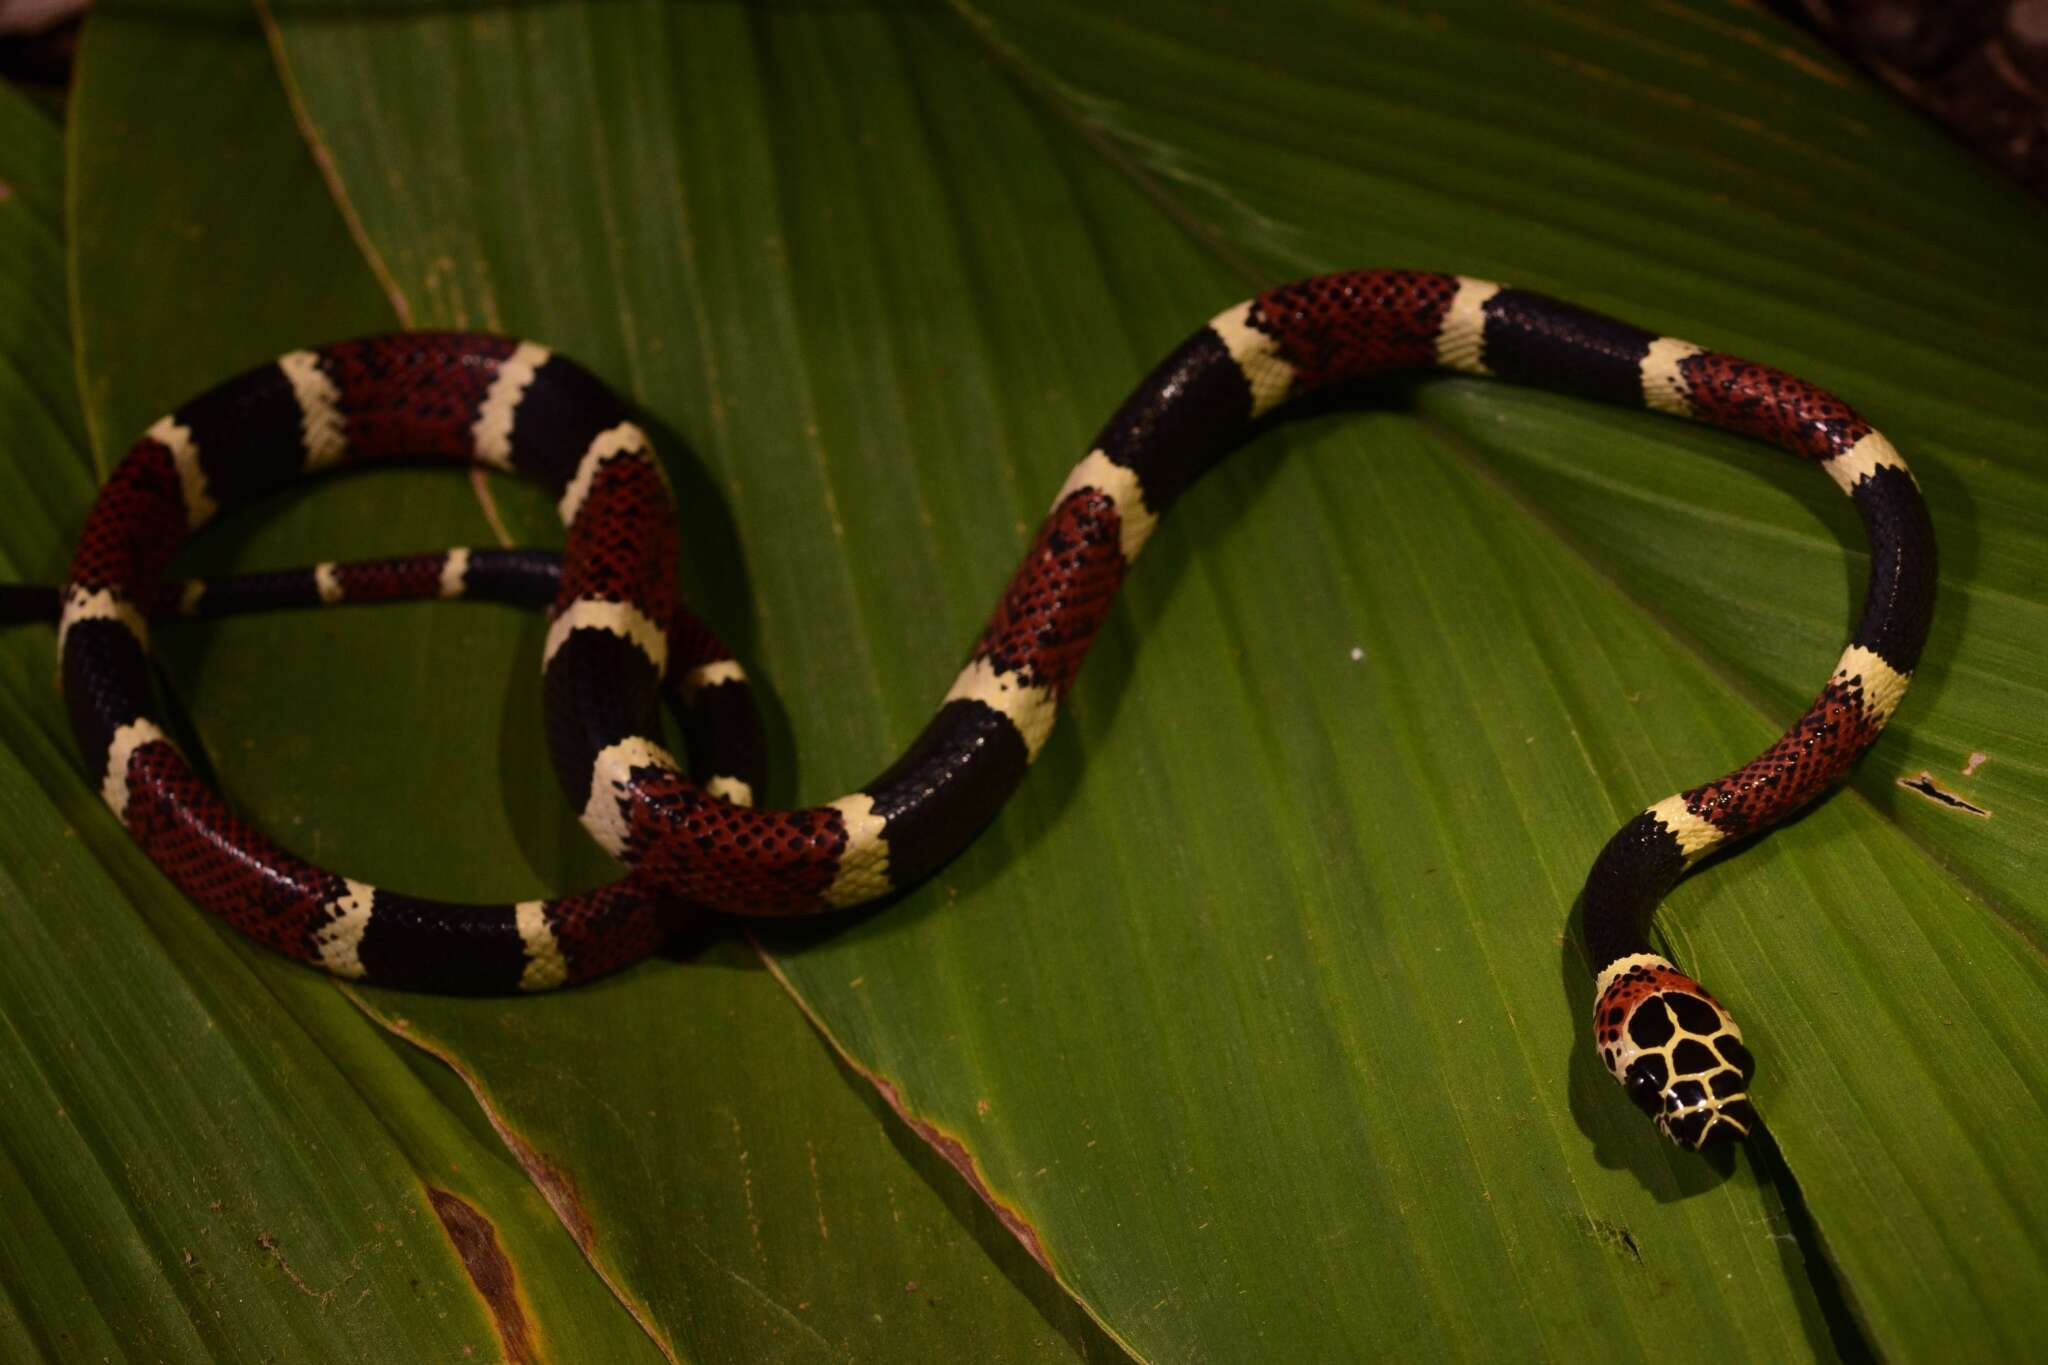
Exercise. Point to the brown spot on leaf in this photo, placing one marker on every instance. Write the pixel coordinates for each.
(555, 1184)
(1611, 1235)
(475, 1240)
(1924, 784)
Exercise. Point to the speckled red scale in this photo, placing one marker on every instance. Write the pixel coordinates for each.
(219, 860)
(691, 644)
(623, 546)
(421, 395)
(414, 393)
(1756, 400)
(1676, 1052)
(397, 396)
(1818, 748)
(1360, 322)
(135, 526)
(708, 852)
(1630, 989)
(602, 930)
(1059, 596)
(391, 580)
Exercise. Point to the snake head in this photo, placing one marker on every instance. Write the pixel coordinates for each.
(1675, 1050)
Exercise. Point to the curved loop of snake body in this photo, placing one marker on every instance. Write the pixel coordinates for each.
(613, 639)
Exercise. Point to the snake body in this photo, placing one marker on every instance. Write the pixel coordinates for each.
(615, 637)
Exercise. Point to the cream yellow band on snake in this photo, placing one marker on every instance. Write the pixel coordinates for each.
(1031, 709)
(1883, 685)
(321, 426)
(711, 675)
(491, 433)
(169, 433)
(340, 940)
(114, 784)
(864, 866)
(620, 618)
(1664, 387)
(455, 573)
(1463, 335)
(1621, 965)
(1257, 355)
(1695, 836)
(1118, 483)
(1863, 459)
(102, 604)
(728, 788)
(604, 814)
(545, 967)
(623, 440)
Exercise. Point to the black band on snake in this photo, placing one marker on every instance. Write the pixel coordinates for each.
(616, 635)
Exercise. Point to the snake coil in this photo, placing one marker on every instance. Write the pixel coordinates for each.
(617, 637)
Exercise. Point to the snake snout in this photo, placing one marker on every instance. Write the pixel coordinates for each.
(1675, 1051)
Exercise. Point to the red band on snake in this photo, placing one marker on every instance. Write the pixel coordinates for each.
(516, 406)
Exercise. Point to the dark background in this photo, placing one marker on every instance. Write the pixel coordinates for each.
(1978, 67)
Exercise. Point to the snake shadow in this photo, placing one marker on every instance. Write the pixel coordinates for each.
(1203, 516)
(1660, 1169)
(1959, 545)
(1620, 1136)
(1622, 1139)
(714, 580)
(1959, 541)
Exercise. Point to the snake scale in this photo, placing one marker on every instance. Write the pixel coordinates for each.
(618, 639)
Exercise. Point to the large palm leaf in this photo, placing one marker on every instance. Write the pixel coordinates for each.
(1255, 1015)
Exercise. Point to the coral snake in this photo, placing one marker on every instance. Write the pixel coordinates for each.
(618, 638)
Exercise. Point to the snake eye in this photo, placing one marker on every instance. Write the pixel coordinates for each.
(1677, 1054)
(1645, 1083)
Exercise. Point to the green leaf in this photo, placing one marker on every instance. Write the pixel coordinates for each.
(1255, 1012)
(202, 1160)
(212, 1153)
(1261, 995)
